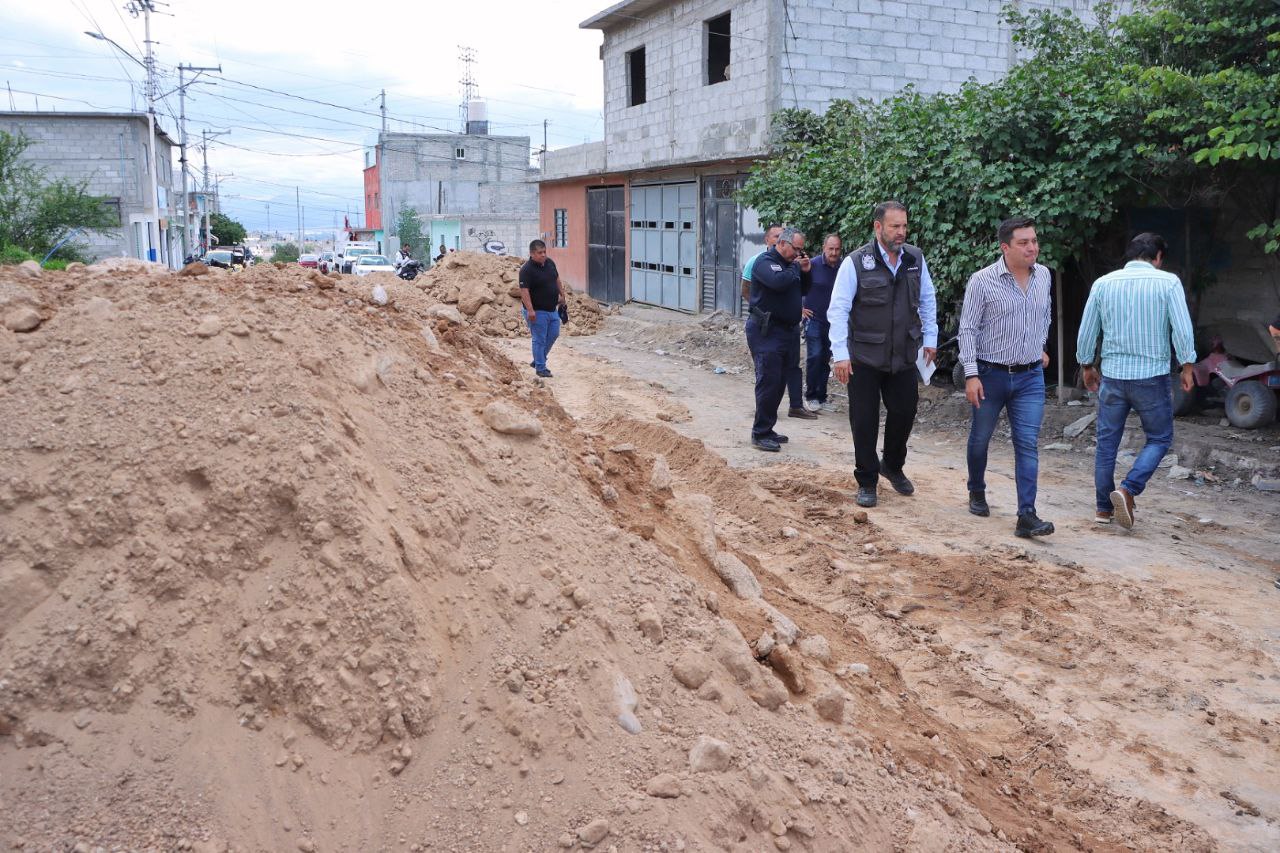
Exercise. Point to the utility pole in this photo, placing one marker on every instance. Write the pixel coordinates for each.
(182, 130)
(205, 136)
(145, 8)
(467, 56)
(268, 204)
(384, 110)
(542, 160)
(297, 198)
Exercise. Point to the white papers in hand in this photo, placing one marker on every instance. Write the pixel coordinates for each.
(926, 370)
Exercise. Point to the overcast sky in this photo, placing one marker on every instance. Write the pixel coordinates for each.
(533, 63)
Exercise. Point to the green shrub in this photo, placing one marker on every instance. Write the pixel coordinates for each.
(15, 255)
(56, 264)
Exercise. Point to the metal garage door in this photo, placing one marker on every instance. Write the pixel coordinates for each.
(664, 245)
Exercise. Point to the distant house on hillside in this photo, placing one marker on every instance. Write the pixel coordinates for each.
(110, 152)
(648, 213)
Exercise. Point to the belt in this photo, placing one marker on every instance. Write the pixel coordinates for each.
(1011, 368)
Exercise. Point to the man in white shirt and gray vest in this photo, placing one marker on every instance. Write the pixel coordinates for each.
(1004, 326)
(883, 311)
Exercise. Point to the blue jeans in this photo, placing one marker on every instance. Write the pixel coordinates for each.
(1021, 395)
(544, 330)
(817, 362)
(1152, 399)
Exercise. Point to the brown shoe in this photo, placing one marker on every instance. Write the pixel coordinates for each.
(1122, 504)
(805, 414)
(1101, 517)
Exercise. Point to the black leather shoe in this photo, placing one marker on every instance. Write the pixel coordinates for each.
(766, 444)
(780, 438)
(802, 413)
(898, 480)
(1029, 524)
(866, 496)
(544, 373)
(978, 504)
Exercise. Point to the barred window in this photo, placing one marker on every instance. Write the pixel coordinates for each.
(562, 228)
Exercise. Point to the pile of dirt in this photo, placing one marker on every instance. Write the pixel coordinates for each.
(486, 290)
(285, 565)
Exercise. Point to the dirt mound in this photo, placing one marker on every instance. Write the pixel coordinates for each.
(272, 546)
(486, 290)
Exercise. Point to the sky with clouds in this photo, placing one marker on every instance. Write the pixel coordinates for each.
(299, 88)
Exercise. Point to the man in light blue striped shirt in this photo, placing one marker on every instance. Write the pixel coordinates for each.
(1136, 310)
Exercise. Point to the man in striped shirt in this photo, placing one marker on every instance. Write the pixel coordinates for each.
(1003, 329)
(1136, 310)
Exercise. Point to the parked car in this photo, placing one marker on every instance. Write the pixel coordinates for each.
(309, 261)
(240, 256)
(219, 258)
(348, 254)
(366, 264)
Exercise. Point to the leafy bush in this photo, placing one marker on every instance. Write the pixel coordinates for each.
(11, 254)
(284, 253)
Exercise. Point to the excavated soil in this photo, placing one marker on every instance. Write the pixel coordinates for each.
(285, 568)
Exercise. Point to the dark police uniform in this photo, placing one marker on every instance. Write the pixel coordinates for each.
(817, 329)
(777, 290)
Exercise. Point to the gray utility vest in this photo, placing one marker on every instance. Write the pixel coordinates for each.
(884, 322)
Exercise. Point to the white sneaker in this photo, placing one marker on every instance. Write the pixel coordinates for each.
(812, 405)
(828, 407)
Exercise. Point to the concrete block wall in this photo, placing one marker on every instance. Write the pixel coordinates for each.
(422, 171)
(849, 49)
(684, 120)
(109, 153)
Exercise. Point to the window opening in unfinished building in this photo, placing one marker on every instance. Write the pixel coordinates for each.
(718, 49)
(635, 77)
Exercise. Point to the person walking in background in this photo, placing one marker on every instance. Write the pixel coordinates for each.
(1136, 310)
(1004, 326)
(779, 281)
(817, 329)
(771, 233)
(542, 296)
(883, 311)
(795, 374)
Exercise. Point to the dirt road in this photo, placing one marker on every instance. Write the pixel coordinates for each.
(1129, 679)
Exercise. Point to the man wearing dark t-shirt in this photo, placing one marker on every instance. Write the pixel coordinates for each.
(542, 296)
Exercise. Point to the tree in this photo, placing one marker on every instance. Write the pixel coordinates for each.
(284, 253)
(36, 211)
(227, 231)
(409, 229)
(1173, 106)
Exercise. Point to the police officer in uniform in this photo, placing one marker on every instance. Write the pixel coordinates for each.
(779, 281)
(883, 311)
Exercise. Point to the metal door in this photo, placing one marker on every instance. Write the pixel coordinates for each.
(723, 221)
(664, 245)
(606, 244)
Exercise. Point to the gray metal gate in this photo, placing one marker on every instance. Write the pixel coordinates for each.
(664, 245)
(728, 230)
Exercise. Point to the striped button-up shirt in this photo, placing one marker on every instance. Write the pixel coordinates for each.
(1000, 322)
(1136, 310)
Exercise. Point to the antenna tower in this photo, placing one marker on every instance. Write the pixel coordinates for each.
(467, 56)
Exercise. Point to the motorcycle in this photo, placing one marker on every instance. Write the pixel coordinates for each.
(410, 269)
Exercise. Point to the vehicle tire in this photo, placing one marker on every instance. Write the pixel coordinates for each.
(957, 376)
(1251, 405)
(1184, 402)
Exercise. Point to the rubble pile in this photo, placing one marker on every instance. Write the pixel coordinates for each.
(286, 565)
(486, 290)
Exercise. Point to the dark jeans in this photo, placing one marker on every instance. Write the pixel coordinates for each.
(1152, 400)
(900, 393)
(773, 353)
(817, 368)
(1022, 396)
